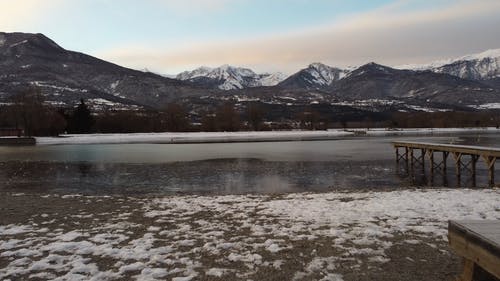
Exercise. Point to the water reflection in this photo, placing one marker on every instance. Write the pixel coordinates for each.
(220, 176)
(220, 168)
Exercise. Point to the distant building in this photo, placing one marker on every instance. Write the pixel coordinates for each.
(11, 132)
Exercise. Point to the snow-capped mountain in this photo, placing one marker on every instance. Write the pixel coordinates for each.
(64, 77)
(375, 81)
(230, 78)
(315, 76)
(482, 66)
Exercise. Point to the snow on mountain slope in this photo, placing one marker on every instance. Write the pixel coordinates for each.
(229, 78)
(272, 79)
(315, 76)
(481, 66)
(324, 74)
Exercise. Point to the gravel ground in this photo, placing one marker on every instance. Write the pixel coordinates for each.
(244, 237)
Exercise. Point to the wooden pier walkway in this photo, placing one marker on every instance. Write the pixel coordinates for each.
(414, 153)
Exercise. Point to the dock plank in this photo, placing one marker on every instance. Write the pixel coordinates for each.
(481, 150)
(477, 242)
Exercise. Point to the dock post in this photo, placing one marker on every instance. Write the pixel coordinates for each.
(458, 166)
(412, 164)
(490, 163)
(407, 155)
(445, 167)
(423, 160)
(430, 153)
(445, 159)
(473, 162)
(397, 159)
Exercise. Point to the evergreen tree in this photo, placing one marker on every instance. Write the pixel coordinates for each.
(81, 121)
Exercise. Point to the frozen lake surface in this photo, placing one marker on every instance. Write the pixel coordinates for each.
(216, 168)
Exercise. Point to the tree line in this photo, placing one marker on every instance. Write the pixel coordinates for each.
(29, 111)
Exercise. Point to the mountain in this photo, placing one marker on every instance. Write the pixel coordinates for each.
(33, 60)
(482, 66)
(315, 76)
(64, 77)
(229, 78)
(374, 81)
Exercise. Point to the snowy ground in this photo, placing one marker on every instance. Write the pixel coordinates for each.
(394, 235)
(215, 137)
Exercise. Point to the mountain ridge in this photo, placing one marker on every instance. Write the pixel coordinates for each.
(28, 60)
(228, 77)
(64, 77)
(480, 66)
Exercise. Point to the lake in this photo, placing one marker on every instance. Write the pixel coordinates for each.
(225, 168)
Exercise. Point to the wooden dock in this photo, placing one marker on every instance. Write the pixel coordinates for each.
(465, 157)
(12, 141)
(478, 243)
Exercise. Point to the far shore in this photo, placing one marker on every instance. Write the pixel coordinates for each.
(228, 137)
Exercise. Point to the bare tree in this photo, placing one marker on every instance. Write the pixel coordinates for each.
(227, 118)
(255, 116)
(29, 113)
(176, 118)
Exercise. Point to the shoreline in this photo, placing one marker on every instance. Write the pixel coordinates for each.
(241, 137)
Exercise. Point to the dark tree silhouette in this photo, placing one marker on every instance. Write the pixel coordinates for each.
(227, 118)
(255, 116)
(81, 121)
(309, 119)
(176, 118)
(208, 122)
(29, 113)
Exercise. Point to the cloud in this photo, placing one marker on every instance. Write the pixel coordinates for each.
(394, 34)
(16, 15)
(190, 7)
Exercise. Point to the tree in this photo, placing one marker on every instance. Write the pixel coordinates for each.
(29, 112)
(208, 123)
(309, 120)
(255, 116)
(227, 118)
(176, 118)
(81, 121)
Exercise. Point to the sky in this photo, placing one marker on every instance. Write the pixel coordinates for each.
(170, 36)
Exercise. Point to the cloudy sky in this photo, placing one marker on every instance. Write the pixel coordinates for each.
(169, 36)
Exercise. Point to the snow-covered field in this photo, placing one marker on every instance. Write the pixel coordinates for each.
(304, 236)
(214, 137)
